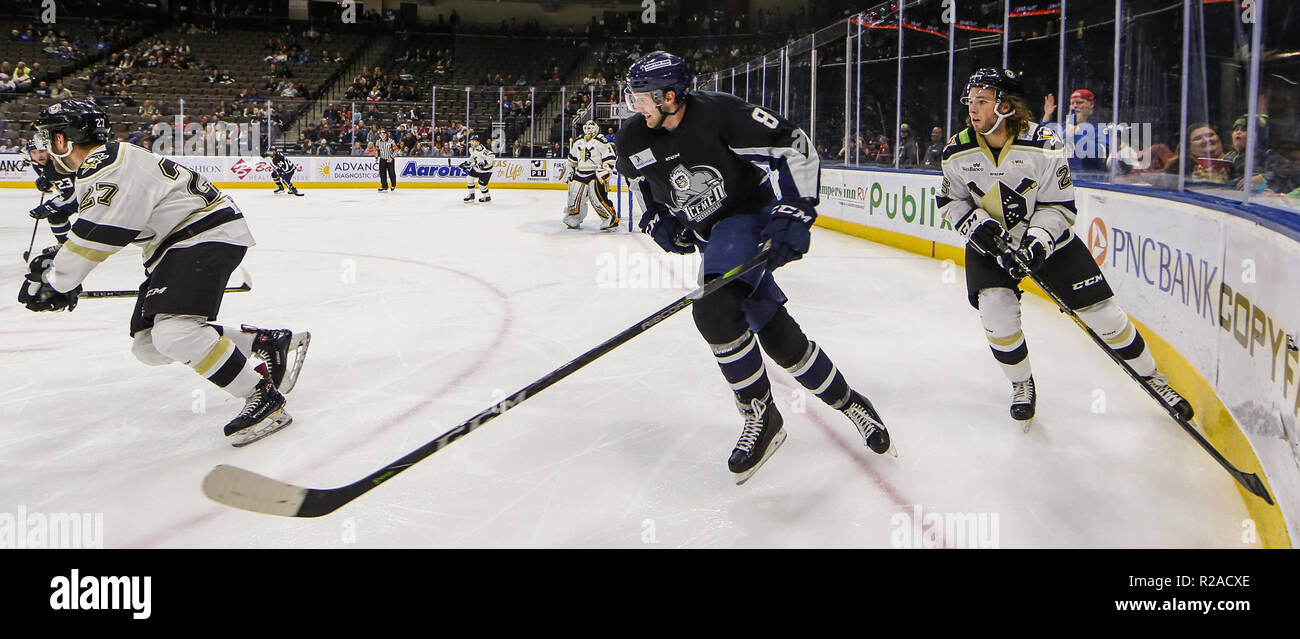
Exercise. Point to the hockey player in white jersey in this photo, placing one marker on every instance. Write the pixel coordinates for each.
(1006, 177)
(479, 166)
(192, 237)
(590, 163)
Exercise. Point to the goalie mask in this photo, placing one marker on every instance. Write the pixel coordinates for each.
(590, 129)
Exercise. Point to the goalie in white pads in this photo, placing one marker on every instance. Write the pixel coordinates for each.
(479, 166)
(1005, 177)
(192, 237)
(590, 163)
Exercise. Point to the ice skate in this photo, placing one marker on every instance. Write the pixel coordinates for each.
(275, 346)
(263, 414)
(1160, 384)
(611, 224)
(761, 436)
(1023, 402)
(864, 416)
(279, 188)
(485, 198)
(470, 197)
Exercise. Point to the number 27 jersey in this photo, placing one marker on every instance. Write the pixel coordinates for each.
(128, 195)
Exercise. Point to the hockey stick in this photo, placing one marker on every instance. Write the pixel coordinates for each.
(246, 286)
(250, 491)
(27, 255)
(1249, 481)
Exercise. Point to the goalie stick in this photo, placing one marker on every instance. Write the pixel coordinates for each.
(246, 286)
(1249, 481)
(247, 490)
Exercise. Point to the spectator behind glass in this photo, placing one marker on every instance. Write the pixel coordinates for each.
(909, 150)
(934, 151)
(1205, 154)
(1088, 141)
(1273, 171)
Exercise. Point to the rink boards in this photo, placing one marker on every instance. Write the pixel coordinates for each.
(1212, 291)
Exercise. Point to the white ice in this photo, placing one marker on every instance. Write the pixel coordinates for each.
(425, 310)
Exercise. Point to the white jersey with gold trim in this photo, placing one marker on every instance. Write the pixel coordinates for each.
(482, 159)
(587, 156)
(1025, 183)
(129, 195)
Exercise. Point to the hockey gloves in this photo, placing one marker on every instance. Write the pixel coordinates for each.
(667, 232)
(43, 184)
(1035, 248)
(788, 230)
(43, 211)
(37, 295)
(980, 231)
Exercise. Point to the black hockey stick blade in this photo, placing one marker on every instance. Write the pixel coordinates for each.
(1249, 481)
(242, 288)
(246, 490)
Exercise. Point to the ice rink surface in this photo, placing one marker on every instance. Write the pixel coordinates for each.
(424, 310)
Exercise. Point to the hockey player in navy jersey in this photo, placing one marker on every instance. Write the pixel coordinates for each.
(62, 203)
(191, 235)
(691, 157)
(282, 171)
(1005, 176)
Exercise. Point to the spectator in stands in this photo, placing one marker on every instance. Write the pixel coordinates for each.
(290, 91)
(908, 148)
(42, 90)
(225, 77)
(22, 76)
(60, 92)
(1088, 141)
(212, 77)
(7, 84)
(1205, 153)
(933, 159)
(357, 150)
(322, 147)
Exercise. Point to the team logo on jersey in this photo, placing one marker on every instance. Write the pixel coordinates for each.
(698, 191)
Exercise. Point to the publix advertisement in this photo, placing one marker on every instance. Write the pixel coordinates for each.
(898, 202)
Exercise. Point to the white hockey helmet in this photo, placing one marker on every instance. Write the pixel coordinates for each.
(590, 128)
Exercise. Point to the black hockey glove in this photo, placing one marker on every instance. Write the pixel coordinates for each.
(788, 230)
(36, 294)
(464, 166)
(43, 184)
(980, 230)
(46, 209)
(1035, 248)
(668, 232)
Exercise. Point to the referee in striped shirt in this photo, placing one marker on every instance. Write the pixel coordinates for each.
(385, 148)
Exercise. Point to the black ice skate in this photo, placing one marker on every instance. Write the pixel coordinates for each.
(263, 414)
(470, 197)
(382, 189)
(1023, 401)
(1160, 384)
(274, 346)
(294, 191)
(279, 188)
(761, 436)
(485, 198)
(869, 425)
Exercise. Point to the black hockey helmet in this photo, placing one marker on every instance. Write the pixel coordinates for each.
(656, 72)
(81, 121)
(1003, 82)
(270, 150)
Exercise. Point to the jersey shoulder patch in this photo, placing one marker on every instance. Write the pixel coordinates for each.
(962, 141)
(98, 160)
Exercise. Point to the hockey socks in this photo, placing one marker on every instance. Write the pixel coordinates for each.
(741, 362)
(1000, 314)
(1113, 326)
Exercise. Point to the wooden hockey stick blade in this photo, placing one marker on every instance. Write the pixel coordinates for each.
(258, 493)
(1249, 481)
